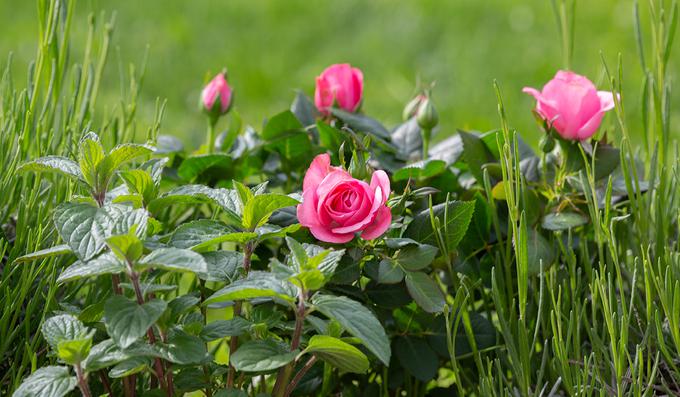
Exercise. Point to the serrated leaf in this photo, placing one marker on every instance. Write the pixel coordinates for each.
(194, 166)
(475, 153)
(204, 233)
(389, 272)
(45, 253)
(416, 257)
(106, 263)
(183, 349)
(126, 321)
(281, 124)
(50, 381)
(174, 259)
(256, 285)
(425, 292)
(104, 354)
(339, 354)
(408, 139)
(227, 199)
(130, 366)
(62, 165)
(261, 356)
(358, 321)
(303, 109)
(259, 209)
(417, 357)
(91, 153)
(236, 326)
(62, 327)
(453, 228)
(224, 266)
(362, 123)
(420, 170)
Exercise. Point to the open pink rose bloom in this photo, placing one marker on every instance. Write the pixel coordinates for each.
(339, 84)
(572, 104)
(336, 206)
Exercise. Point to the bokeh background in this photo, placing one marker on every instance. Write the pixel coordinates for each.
(272, 47)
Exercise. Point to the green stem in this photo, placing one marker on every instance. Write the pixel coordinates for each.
(211, 135)
(82, 381)
(426, 133)
(280, 388)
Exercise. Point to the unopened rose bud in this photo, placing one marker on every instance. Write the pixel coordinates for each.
(216, 96)
(547, 143)
(411, 108)
(427, 116)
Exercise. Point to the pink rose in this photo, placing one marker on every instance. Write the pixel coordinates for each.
(340, 84)
(217, 88)
(335, 206)
(572, 104)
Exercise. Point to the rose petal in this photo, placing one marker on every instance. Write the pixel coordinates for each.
(328, 236)
(381, 223)
(317, 171)
(366, 220)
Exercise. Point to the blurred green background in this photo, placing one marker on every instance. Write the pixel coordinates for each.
(273, 47)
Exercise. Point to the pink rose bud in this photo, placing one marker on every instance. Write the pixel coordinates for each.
(340, 85)
(572, 105)
(335, 206)
(217, 88)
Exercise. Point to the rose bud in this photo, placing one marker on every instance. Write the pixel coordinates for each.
(572, 105)
(336, 206)
(339, 85)
(427, 116)
(216, 96)
(411, 108)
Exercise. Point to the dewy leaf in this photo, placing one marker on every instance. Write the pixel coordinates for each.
(563, 221)
(262, 356)
(236, 326)
(46, 253)
(58, 164)
(339, 354)
(259, 209)
(174, 259)
(425, 292)
(358, 321)
(126, 321)
(193, 166)
(204, 233)
(256, 285)
(106, 263)
(50, 381)
(222, 266)
(453, 228)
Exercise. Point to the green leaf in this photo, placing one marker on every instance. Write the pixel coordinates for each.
(236, 326)
(416, 257)
(280, 124)
(389, 272)
(425, 292)
(106, 263)
(477, 234)
(50, 381)
(227, 199)
(309, 280)
(408, 139)
(259, 209)
(358, 321)
(454, 217)
(475, 154)
(68, 337)
(104, 354)
(46, 253)
(183, 349)
(194, 166)
(125, 152)
(607, 159)
(126, 246)
(362, 123)
(417, 357)
(244, 194)
(126, 321)
(420, 170)
(266, 232)
(222, 266)
(563, 221)
(90, 155)
(303, 109)
(337, 353)
(174, 259)
(62, 165)
(256, 285)
(74, 351)
(231, 393)
(140, 182)
(538, 249)
(130, 366)
(262, 356)
(298, 255)
(331, 138)
(205, 233)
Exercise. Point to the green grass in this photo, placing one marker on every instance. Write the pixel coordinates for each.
(273, 47)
